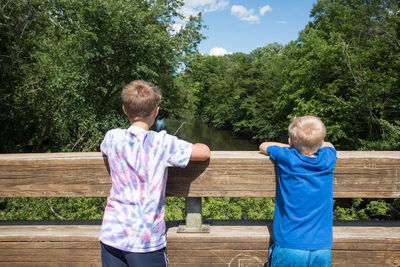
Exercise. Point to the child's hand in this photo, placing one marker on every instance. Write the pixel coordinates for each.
(264, 146)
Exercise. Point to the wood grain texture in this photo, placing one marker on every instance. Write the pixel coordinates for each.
(367, 174)
(355, 244)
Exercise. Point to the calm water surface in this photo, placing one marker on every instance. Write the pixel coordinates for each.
(197, 131)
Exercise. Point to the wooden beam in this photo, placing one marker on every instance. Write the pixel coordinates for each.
(366, 174)
(355, 244)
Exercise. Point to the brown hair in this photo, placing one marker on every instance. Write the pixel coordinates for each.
(140, 98)
(307, 133)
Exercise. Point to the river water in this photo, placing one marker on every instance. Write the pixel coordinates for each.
(197, 131)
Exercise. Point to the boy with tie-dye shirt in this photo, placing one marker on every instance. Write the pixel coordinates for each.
(133, 228)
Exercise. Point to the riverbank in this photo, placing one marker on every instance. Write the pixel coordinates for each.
(197, 131)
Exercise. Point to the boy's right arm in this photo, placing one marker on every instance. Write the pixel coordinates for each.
(200, 152)
(263, 147)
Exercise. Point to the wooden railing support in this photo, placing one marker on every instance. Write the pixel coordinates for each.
(194, 217)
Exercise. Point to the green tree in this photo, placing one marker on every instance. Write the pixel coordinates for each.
(238, 91)
(347, 72)
(63, 64)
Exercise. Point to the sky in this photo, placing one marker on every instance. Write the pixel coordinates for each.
(242, 26)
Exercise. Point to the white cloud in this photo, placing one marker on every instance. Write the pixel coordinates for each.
(175, 28)
(265, 9)
(193, 7)
(244, 14)
(188, 11)
(218, 51)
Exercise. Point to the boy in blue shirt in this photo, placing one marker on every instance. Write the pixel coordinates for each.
(302, 227)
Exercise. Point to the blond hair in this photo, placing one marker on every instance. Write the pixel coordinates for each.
(139, 99)
(307, 133)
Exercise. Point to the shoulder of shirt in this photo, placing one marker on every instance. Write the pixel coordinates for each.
(164, 134)
(115, 131)
(328, 147)
(328, 151)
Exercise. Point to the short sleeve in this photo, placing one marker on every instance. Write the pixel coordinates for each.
(273, 152)
(330, 154)
(331, 151)
(103, 146)
(179, 152)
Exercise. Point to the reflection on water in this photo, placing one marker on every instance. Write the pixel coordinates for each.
(197, 131)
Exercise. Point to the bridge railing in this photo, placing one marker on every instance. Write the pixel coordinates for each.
(368, 174)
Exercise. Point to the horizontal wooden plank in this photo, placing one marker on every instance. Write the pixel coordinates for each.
(50, 233)
(229, 258)
(50, 256)
(74, 235)
(366, 258)
(367, 174)
(359, 243)
(60, 244)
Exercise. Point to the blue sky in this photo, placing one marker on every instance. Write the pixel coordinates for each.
(242, 26)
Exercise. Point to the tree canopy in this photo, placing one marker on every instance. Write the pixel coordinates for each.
(344, 68)
(64, 62)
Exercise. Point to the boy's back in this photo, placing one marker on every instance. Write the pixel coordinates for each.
(302, 228)
(133, 228)
(304, 198)
(138, 160)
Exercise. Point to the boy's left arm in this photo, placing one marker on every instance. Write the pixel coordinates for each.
(263, 147)
(327, 144)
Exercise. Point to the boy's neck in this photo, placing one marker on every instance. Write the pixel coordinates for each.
(144, 123)
(308, 155)
(141, 124)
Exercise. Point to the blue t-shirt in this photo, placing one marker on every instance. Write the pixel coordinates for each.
(304, 198)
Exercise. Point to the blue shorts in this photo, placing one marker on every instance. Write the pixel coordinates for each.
(113, 257)
(285, 257)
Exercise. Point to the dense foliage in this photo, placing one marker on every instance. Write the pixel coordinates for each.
(64, 62)
(213, 208)
(62, 66)
(344, 68)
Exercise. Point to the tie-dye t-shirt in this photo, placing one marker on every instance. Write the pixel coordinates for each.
(134, 216)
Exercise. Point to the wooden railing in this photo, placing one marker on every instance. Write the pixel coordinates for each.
(366, 174)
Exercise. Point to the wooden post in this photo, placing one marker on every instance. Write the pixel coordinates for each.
(194, 220)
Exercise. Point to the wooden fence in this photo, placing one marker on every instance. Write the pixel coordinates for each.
(366, 174)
